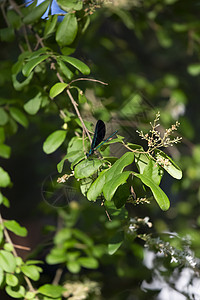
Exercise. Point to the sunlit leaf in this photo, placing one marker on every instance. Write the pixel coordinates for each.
(7, 261)
(87, 168)
(53, 291)
(4, 178)
(111, 186)
(158, 193)
(57, 89)
(13, 226)
(54, 141)
(169, 166)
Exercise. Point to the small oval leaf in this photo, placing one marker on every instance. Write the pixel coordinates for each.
(13, 226)
(3, 117)
(70, 4)
(5, 151)
(88, 262)
(54, 141)
(67, 30)
(57, 89)
(53, 291)
(11, 279)
(33, 105)
(7, 261)
(31, 272)
(4, 178)
(87, 168)
(19, 116)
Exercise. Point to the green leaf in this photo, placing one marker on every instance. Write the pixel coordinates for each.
(85, 185)
(194, 69)
(83, 237)
(15, 227)
(50, 26)
(87, 168)
(56, 256)
(171, 167)
(33, 105)
(1, 276)
(141, 159)
(115, 242)
(8, 247)
(30, 296)
(34, 262)
(31, 64)
(121, 195)
(88, 262)
(7, 34)
(19, 116)
(54, 141)
(119, 165)
(111, 186)
(5, 151)
(68, 156)
(15, 292)
(6, 202)
(3, 117)
(11, 279)
(158, 193)
(153, 171)
(36, 13)
(7, 261)
(63, 235)
(49, 290)
(31, 272)
(97, 187)
(67, 30)
(20, 85)
(83, 68)
(70, 4)
(4, 178)
(73, 266)
(13, 19)
(61, 164)
(65, 70)
(2, 134)
(57, 89)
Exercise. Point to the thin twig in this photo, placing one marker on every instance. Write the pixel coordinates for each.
(88, 79)
(75, 107)
(57, 276)
(4, 14)
(22, 247)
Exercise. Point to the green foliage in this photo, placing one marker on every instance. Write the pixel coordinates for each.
(44, 87)
(54, 141)
(15, 227)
